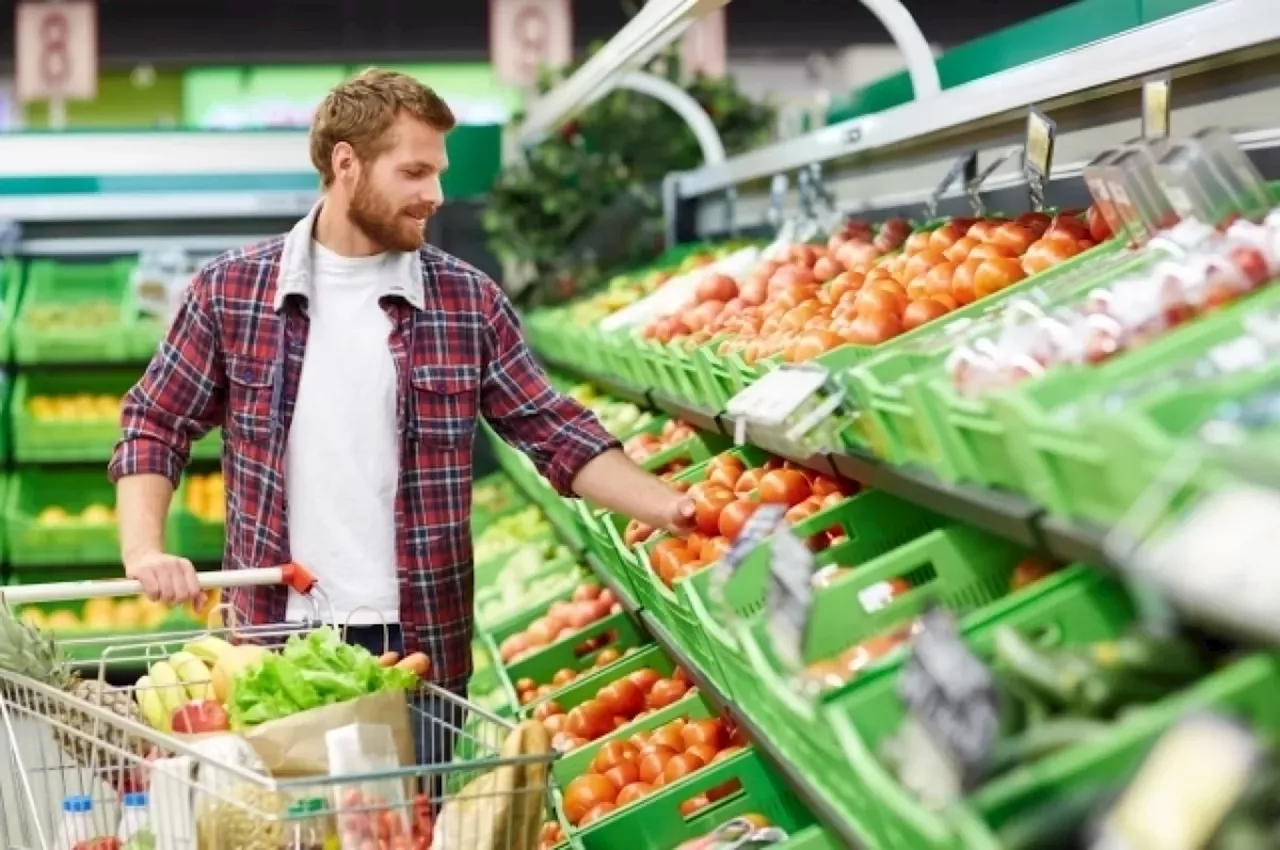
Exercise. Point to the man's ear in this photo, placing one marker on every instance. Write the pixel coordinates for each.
(344, 161)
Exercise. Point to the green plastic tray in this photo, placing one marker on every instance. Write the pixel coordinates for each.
(1062, 464)
(875, 523)
(11, 288)
(565, 653)
(603, 533)
(957, 567)
(655, 822)
(67, 541)
(585, 687)
(900, 425)
(1087, 609)
(57, 295)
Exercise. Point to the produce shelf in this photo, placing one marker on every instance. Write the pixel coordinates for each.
(1007, 515)
(801, 785)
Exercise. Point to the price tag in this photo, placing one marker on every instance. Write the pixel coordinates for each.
(1238, 529)
(953, 710)
(966, 167)
(758, 526)
(790, 596)
(1196, 774)
(973, 186)
(1038, 154)
(1155, 106)
(777, 395)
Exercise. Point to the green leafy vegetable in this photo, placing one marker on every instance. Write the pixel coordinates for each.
(308, 673)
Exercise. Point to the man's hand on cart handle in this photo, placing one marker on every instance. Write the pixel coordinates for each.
(166, 578)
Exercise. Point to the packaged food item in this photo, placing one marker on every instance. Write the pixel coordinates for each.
(307, 827)
(370, 811)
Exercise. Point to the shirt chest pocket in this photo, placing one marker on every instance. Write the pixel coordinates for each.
(444, 403)
(249, 398)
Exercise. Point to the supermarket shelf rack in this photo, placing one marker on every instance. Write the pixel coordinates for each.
(799, 783)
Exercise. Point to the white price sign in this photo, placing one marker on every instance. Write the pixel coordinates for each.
(526, 36)
(777, 395)
(56, 50)
(1217, 561)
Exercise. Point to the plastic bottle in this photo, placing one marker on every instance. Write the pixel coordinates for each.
(77, 823)
(135, 818)
(305, 829)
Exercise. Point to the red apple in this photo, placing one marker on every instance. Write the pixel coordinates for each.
(202, 716)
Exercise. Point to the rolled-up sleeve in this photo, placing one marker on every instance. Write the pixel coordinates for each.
(559, 435)
(179, 398)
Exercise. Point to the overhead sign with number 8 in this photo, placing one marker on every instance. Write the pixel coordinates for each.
(56, 50)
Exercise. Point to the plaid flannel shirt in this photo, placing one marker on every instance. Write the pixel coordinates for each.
(233, 357)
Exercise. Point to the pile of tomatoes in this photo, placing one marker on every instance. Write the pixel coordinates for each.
(626, 771)
(590, 603)
(815, 298)
(527, 690)
(367, 820)
(643, 446)
(727, 497)
(629, 698)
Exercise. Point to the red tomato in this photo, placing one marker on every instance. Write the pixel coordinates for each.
(665, 692)
(734, 516)
(784, 486)
(922, 312)
(709, 499)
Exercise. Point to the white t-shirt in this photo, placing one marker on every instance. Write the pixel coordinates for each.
(342, 460)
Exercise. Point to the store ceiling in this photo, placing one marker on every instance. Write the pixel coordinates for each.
(253, 31)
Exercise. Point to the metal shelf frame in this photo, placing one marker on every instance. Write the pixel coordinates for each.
(1224, 57)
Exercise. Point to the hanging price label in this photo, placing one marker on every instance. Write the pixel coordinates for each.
(790, 596)
(777, 395)
(952, 708)
(1169, 805)
(965, 168)
(1038, 154)
(758, 526)
(1155, 106)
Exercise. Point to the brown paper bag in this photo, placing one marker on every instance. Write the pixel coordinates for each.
(295, 746)
(503, 809)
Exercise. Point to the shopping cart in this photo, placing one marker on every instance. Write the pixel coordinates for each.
(79, 755)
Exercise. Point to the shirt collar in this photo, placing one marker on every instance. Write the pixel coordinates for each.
(296, 276)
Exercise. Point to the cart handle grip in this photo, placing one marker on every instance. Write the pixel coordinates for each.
(290, 575)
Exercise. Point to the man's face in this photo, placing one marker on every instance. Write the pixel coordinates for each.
(397, 192)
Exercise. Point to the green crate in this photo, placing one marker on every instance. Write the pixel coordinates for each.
(603, 533)
(874, 522)
(11, 288)
(655, 822)
(695, 450)
(586, 686)
(1082, 612)
(718, 381)
(887, 388)
(552, 581)
(57, 296)
(1143, 437)
(1062, 464)
(196, 539)
(566, 653)
(80, 418)
(38, 537)
(955, 566)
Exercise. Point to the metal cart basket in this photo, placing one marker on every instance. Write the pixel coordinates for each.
(79, 767)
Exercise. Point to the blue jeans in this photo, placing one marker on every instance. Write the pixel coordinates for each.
(436, 720)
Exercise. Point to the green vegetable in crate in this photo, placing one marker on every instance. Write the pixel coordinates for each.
(308, 673)
(510, 533)
(1054, 698)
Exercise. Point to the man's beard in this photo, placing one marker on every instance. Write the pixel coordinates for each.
(391, 229)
